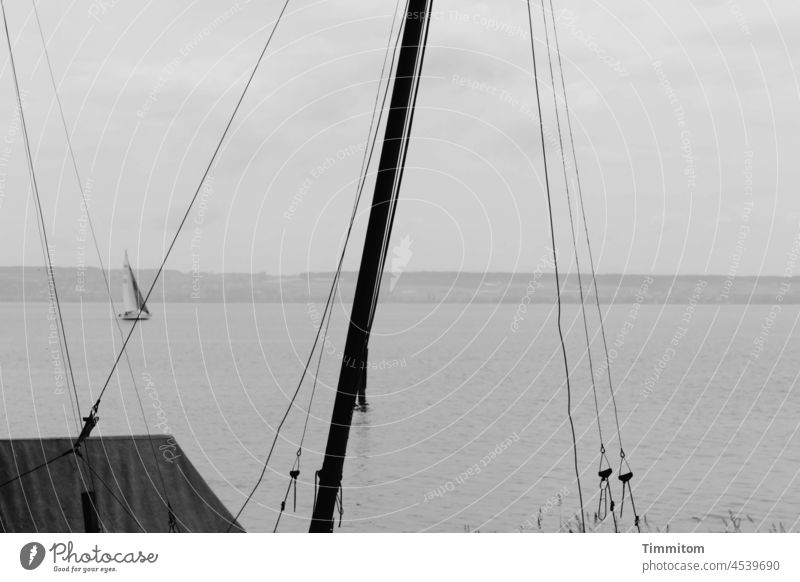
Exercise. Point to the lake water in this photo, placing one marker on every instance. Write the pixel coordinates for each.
(466, 426)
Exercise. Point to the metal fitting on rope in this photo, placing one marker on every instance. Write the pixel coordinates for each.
(606, 501)
(89, 423)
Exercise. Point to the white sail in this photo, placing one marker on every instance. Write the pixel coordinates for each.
(133, 306)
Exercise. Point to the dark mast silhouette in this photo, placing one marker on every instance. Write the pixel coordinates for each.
(387, 186)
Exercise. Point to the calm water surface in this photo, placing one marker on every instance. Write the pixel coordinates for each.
(467, 423)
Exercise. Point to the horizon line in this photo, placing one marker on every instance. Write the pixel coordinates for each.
(425, 271)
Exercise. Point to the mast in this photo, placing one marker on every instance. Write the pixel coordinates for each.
(390, 172)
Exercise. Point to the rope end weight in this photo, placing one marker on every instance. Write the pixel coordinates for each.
(293, 474)
(605, 488)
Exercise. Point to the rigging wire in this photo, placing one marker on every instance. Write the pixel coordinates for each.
(555, 267)
(396, 187)
(394, 195)
(579, 188)
(365, 164)
(572, 226)
(604, 467)
(51, 279)
(106, 282)
(41, 224)
(27, 472)
(185, 217)
(294, 472)
(53, 313)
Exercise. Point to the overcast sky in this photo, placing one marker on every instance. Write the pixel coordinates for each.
(687, 119)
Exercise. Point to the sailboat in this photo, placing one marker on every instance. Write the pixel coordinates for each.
(132, 300)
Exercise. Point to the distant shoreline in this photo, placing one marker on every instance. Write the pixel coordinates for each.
(537, 287)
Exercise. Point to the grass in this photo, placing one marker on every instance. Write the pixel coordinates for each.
(733, 522)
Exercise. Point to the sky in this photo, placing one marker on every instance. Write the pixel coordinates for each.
(686, 120)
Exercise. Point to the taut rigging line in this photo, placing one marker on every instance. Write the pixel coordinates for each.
(604, 471)
(91, 420)
(366, 162)
(626, 477)
(51, 278)
(173, 524)
(395, 142)
(555, 267)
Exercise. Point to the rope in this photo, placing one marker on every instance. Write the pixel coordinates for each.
(193, 199)
(585, 223)
(53, 307)
(555, 267)
(41, 223)
(399, 180)
(606, 501)
(366, 161)
(19, 476)
(411, 105)
(591, 264)
(288, 408)
(572, 229)
(294, 472)
(35, 189)
(100, 258)
(293, 481)
(604, 470)
(340, 503)
(92, 414)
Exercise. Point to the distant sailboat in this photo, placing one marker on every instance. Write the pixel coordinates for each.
(132, 300)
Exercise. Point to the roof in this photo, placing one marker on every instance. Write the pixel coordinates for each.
(123, 472)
